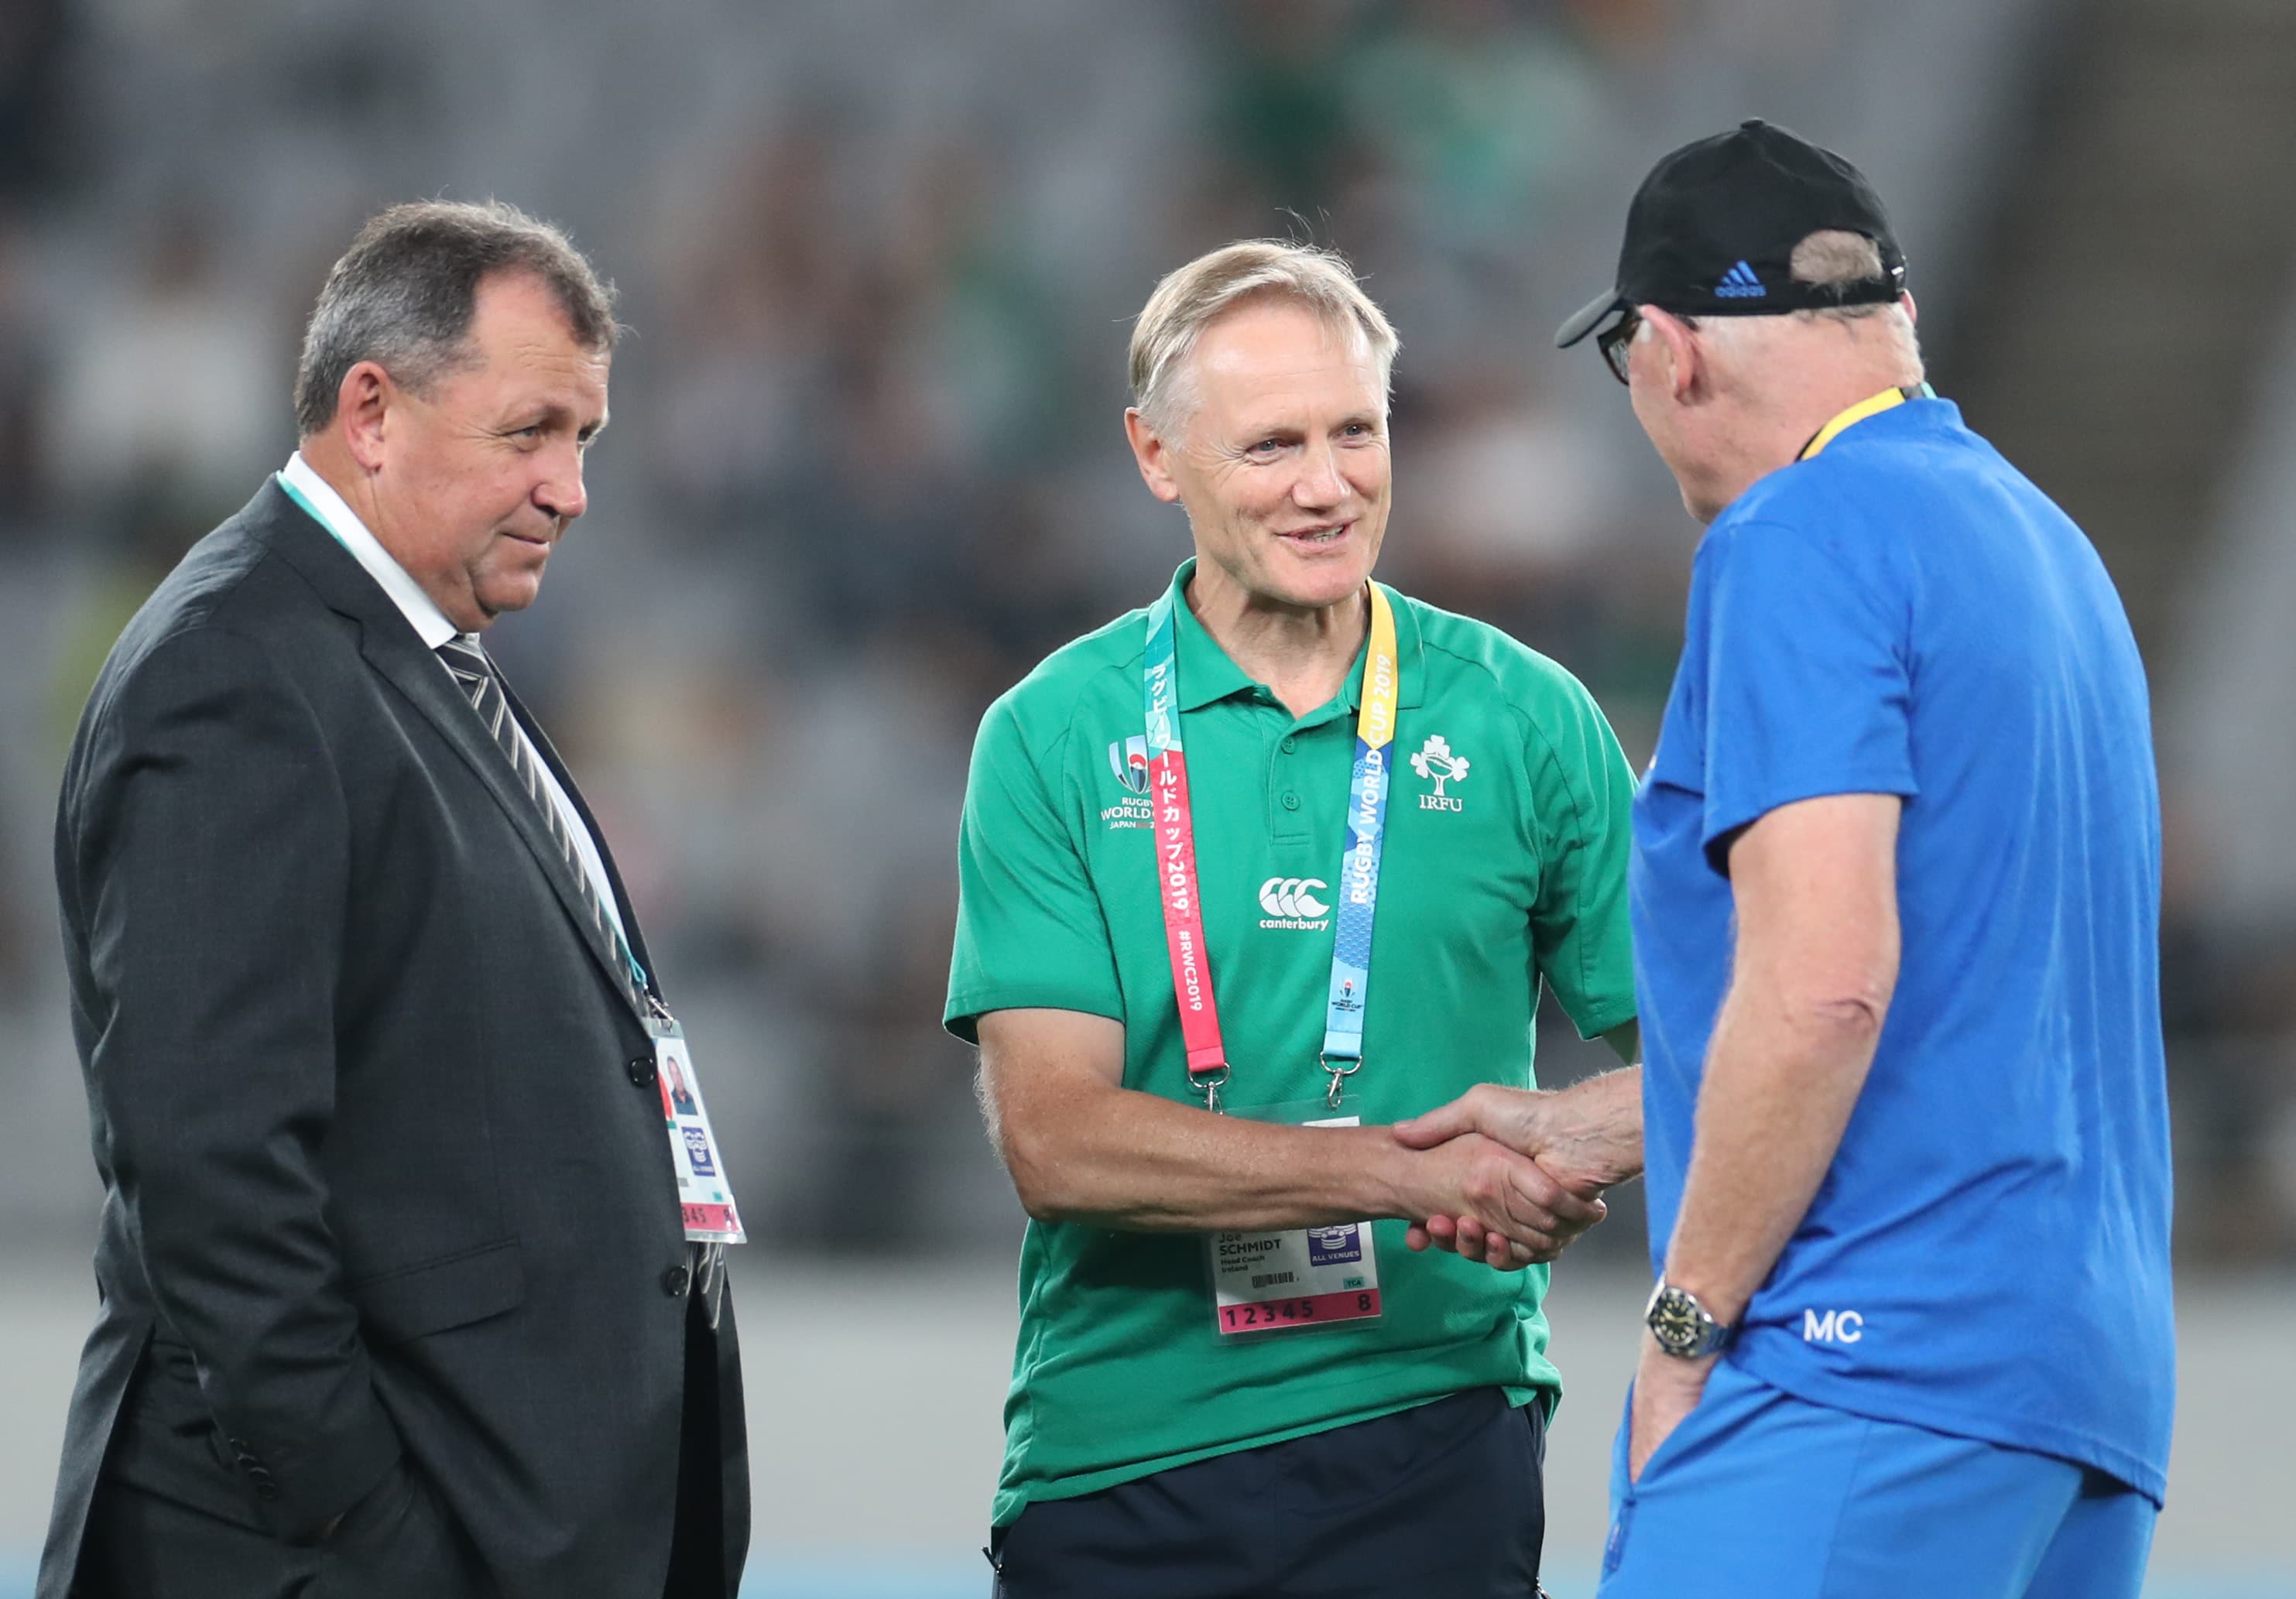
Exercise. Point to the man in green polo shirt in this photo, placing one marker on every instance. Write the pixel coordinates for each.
(1285, 848)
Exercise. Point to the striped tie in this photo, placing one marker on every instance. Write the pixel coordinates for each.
(476, 674)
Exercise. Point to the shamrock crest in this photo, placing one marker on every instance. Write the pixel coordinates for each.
(1436, 761)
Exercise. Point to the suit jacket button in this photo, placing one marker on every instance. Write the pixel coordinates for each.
(673, 1282)
(642, 1070)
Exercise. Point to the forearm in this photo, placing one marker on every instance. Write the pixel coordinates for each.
(1118, 1158)
(1782, 1079)
(1596, 1127)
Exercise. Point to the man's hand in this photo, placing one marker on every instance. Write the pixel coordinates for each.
(1585, 1138)
(1666, 1391)
(1515, 1212)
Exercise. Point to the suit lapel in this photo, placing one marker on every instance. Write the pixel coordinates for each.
(392, 648)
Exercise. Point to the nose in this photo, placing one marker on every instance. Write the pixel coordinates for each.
(1320, 484)
(559, 491)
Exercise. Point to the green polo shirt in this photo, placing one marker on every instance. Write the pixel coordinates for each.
(1505, 867)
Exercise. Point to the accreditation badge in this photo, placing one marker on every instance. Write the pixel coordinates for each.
(705, 1198)
(1289, 1282)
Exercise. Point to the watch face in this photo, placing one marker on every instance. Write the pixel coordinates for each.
(1676, 1321)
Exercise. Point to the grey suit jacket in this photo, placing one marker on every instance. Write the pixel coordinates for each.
(387, 1185)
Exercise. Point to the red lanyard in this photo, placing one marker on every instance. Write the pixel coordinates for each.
(1175, 861)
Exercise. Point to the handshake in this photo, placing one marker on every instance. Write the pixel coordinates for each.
(1511, 1176)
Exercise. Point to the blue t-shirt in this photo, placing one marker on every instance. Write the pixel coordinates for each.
(1904, 613)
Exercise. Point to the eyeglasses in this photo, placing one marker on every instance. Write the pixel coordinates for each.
(1614, 340)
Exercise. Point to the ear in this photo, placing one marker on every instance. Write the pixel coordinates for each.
(1913, 311)
(1677, 353)
(1152, 455)
(362, 404)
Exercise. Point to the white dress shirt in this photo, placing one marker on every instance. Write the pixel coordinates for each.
(423, 615)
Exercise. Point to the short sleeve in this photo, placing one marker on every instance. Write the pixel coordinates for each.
(1808, 690)
(1582, 792)
(1029, 928)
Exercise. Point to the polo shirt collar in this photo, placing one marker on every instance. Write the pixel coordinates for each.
(1850, 416)
(1207, 675)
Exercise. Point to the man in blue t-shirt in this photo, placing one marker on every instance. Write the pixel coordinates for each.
(1895, 895)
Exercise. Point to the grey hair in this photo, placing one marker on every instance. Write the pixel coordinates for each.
(403, 295)
(1194, 296)
(1837, 259)
(1832, 259)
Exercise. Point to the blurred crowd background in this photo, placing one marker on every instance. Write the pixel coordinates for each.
(880, 258)
(866, 465)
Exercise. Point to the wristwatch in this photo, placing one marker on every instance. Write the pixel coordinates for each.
(1682, 1325)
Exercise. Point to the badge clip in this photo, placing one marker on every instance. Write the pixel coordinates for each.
(1212, 1083)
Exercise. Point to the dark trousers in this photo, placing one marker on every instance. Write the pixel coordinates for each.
(143, 1543)
(697, 1548)
(1446, 1500)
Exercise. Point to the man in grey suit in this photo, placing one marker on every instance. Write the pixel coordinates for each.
(405, 1290)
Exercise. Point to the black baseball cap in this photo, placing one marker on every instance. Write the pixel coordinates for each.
(1713, 228)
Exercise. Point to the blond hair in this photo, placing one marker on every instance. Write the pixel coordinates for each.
(1194, 296)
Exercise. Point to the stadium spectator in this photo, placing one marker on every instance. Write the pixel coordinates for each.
(24, 363)
(36, 116)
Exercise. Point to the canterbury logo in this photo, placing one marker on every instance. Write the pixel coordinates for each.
(1292, 896)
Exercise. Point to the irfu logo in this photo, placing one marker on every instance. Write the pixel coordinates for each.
(1436, 761)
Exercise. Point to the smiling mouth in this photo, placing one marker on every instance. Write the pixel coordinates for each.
(1313, 536)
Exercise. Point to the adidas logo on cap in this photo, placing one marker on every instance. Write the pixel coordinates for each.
(1740, 283)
